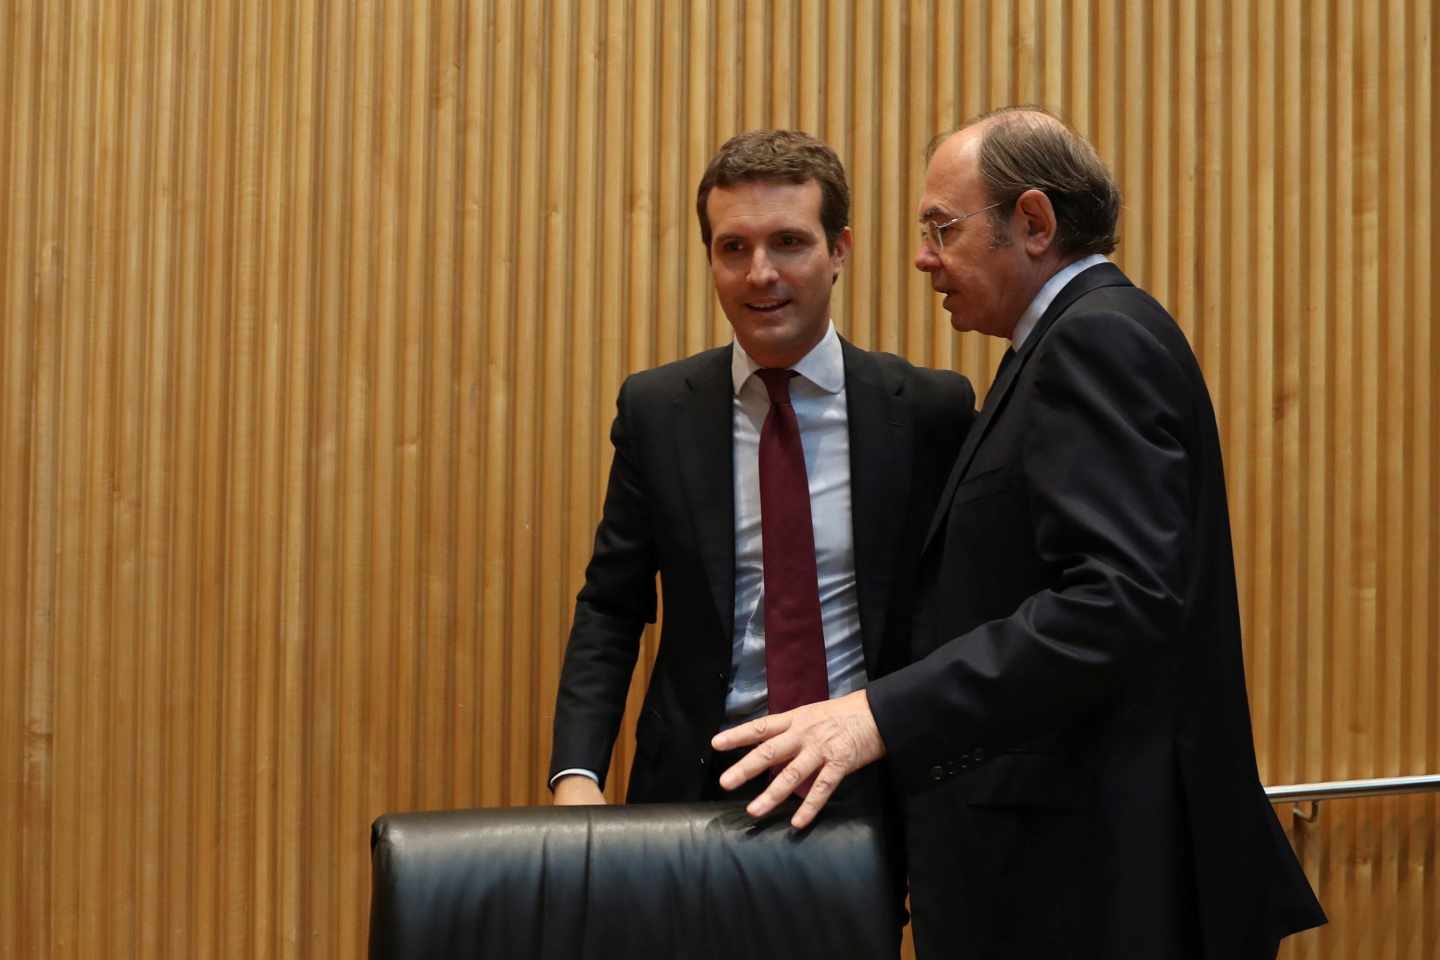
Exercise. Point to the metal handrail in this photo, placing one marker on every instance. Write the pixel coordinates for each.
(1313, 793)
(1337, 789)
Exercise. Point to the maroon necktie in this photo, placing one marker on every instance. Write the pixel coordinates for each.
(794, 644)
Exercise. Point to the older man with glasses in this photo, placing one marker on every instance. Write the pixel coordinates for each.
(1072, 738)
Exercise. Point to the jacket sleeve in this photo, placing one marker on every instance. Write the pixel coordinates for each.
(611, 611)
(1103, 479)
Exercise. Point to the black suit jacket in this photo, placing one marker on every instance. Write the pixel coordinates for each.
(669, 508)
(1073, 738)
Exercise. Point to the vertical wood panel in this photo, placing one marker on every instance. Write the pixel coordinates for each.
(28, 660)
(314, 317)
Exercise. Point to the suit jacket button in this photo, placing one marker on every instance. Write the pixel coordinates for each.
(937, 773)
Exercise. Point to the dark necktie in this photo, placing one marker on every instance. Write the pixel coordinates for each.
(794, 643)
(997, 384)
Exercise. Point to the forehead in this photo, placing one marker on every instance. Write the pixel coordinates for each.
(763, 206)
(952, 178)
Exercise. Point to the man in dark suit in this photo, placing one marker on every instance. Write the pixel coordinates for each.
(1072, 740)
(780, 486)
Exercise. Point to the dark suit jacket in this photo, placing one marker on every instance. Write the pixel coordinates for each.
(1073, 740)
(670, 508)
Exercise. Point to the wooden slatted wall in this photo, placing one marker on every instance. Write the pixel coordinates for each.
(313, 315)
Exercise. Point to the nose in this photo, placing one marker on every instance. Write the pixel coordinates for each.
(925, 258)
(762, 272)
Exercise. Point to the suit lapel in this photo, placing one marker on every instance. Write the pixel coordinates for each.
(993, 401)
(1102, 275)
(880, 430)
(706, 454)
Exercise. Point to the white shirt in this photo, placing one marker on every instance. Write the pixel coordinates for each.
(1047, 294)
(818, 396)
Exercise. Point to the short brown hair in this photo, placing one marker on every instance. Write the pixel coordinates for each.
(1028, 147)
(780, 156)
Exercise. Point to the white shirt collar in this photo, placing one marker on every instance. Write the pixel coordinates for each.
(823, 366)
(1047, 295)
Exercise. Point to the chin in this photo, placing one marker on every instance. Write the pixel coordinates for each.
(776, 350)
(772, 355)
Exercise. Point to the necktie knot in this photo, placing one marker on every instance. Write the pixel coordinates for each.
(1005, 361)
(996, 383)
(777, 382)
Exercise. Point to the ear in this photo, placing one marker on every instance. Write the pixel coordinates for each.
(841, 253)
(1036, 216)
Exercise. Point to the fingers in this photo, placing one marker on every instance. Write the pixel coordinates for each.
(769, 754)
(792, 779)
(749, 734)
(826, 782)
(813, 750)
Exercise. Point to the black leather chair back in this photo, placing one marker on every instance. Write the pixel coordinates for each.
(702, 881)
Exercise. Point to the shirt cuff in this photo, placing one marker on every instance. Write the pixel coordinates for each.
(574, 770)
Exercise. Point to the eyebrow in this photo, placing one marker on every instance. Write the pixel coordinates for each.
(784, 231)
(935, 213)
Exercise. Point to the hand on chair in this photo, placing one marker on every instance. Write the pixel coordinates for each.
(828, 741)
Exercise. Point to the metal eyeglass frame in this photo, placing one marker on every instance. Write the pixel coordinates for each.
(933, 234)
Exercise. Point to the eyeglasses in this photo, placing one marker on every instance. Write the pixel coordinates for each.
(933, 234)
